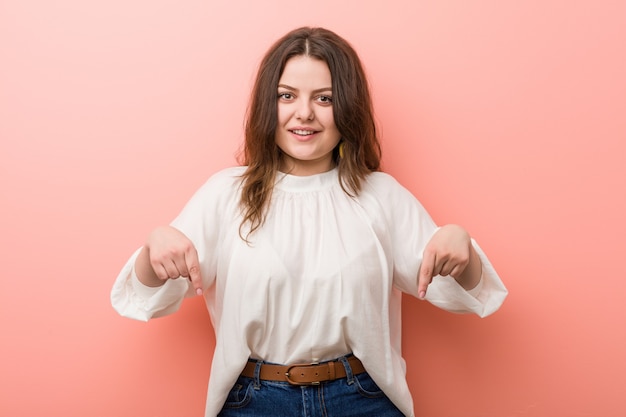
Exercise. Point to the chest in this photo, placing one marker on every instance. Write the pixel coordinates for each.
(307, 243)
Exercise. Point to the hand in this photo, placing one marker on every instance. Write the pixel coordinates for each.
(172, 255)
(447, 253)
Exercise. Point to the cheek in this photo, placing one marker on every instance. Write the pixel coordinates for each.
(327, 118)
(330, 124)
(282, 113)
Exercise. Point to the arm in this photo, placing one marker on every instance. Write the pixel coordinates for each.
(450, 252)
(476, 286)
(145, 272)
(168, 254)
(470, 278)
(144, 288)
(149, 284)
(418, 249)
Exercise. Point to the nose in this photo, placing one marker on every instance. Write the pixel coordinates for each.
(305, 111)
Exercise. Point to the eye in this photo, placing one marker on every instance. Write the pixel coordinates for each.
(325, 99)
(285, 96)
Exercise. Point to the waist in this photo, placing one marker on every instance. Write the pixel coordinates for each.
(304, 374)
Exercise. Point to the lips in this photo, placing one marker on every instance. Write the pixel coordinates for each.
(303, 132)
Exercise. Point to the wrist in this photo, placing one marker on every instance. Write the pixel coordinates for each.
(144, 271)
(472, 274)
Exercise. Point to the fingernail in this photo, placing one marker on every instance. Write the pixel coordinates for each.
(422, 294)
(199, 291)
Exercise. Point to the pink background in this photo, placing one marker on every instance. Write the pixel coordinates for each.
(506, 117)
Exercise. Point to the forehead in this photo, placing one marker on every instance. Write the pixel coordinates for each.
(306, 72)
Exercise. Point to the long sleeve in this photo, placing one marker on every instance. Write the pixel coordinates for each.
(485, 299)
(134, 300)
(407, 228)
(202, 221)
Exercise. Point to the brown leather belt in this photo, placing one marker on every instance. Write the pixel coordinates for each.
(304, 374)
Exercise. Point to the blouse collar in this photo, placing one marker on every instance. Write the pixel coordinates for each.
(295, 183)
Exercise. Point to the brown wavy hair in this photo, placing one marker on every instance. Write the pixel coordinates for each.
(352, 112)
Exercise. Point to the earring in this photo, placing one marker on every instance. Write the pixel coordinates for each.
(341, 145)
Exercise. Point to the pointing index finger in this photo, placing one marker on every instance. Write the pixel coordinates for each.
(425, 276)
(193, 266)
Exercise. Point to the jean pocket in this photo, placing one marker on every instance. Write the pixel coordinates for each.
(240, 394)
(367, 387)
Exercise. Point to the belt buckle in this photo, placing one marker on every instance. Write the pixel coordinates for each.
(302, 365)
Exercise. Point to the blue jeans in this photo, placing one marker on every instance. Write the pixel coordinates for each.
(353, 396)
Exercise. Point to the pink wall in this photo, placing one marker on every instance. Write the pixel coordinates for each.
(506, 117)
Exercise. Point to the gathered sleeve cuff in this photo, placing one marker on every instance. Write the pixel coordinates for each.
(201, 220)
(482, 300)
(404, 229)
(133, 299)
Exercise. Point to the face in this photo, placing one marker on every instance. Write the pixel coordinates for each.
(306, 131)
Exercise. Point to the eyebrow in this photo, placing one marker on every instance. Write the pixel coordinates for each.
(319, 90)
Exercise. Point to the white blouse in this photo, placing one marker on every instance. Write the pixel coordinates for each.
(323, 277)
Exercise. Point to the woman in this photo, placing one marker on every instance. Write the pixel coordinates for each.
(303, 251)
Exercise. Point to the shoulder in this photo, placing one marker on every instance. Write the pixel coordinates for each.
(382, 183)
(221, 185)
(388, 191)
(228, 174)
(385, 193)
(225, 178)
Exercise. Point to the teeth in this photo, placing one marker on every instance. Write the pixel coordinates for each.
(303, 132)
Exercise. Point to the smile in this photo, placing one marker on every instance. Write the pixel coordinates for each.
(301, 132)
